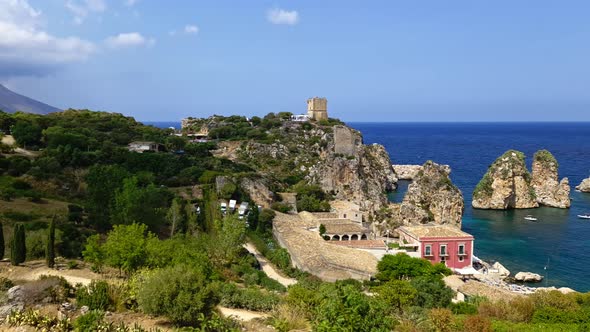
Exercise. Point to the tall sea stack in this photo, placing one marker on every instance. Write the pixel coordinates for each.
(506, 185)
(548, 189)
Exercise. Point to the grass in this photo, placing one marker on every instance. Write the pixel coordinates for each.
(43, 211)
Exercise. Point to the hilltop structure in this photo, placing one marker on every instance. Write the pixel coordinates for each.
(317, 108)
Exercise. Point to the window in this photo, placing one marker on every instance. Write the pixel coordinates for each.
(462, 249)
(460, 258)
(428, 250)
(443, 250)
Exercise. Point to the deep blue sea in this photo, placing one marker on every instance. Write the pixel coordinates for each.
(558, 245)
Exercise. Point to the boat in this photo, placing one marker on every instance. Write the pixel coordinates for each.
(584, 216)
(531, 218)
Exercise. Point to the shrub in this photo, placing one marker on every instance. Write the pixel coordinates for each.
(72, 265)
(5, 284)
(432, 293)
(90, 321)
(463, 308)
(442, 319)
(286, 318)
(247, 298)
(281, 207)
(95, 296)
(477, 323)
(187, 294)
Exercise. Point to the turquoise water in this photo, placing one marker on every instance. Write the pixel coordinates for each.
(558, 245)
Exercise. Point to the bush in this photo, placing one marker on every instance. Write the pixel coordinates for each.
(463, 308)
(72, 265)
(187, 294)
(95, 296)
(281, 207)
(5, 284)
(477, 323)
(442, 319)
(90, 321)
(247, 298)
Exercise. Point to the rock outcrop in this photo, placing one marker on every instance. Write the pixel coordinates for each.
(502, 271)
(431, 197)
(332, 157)
(506, 185)
(528, 277)
(548, 189)
(258, 191)
(362, 177)
(584, 186)
(409, 172)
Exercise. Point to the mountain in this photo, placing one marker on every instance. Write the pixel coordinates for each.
(11, 102)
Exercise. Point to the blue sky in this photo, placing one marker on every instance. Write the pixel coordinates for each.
(373, 60)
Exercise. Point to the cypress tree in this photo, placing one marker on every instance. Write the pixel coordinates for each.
(18, 247)
(1, 241)
(50, 250)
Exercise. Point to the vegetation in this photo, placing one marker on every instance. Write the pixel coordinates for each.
(155, 218)
(545, 157)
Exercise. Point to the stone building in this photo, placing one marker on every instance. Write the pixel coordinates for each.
(317, 108)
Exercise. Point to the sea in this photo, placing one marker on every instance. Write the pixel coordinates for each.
(557, 246)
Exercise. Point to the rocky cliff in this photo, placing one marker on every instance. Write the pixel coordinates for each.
(333, 157)
(409, 172)
(431, 197)
(506, 185)
(548, 189)
(584, 186)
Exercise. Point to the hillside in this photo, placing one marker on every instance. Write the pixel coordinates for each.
(12, 102)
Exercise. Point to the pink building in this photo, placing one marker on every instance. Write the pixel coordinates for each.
(439, 243)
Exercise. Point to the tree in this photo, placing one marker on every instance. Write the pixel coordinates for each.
(125, 247)
(1, 241)
(175, 143)
(50, 250)
(397, 294)
(431, 292)
(103, 182)
(18, 246)
(402, 266)
(26, 133)
(175, 216)
(322, 229)
(94, 253)
(228, 239)
(265, 220)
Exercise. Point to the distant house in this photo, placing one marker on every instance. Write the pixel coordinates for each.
(439, 244)
(300, 118)
(142, 146)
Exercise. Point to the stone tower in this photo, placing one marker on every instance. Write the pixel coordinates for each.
(317, 108)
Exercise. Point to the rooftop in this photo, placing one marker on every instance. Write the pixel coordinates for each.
(429, 231)
(340, 205)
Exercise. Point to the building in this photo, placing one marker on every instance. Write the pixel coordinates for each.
(317, 108)
(300, 118)
(439, 244)
(139, 146)
(347, 210)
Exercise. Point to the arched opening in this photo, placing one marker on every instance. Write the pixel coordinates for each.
(354, 237)
(364, 237)
(345, 237)
(336, 238)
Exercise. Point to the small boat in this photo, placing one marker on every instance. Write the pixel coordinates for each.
(584, 216)
(531, 218)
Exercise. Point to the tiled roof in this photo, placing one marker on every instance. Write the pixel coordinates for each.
(429, 230)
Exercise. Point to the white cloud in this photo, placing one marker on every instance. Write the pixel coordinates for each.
(130, 3)
(281, 16)
(130, 39)
(82, 8)
(191, 29)
(26, 49)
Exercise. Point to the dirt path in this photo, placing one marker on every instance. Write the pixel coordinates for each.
(9, 140)
(240, 314)
(268, 268)
(34, 269)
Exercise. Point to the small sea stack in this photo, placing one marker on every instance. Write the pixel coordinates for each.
(584, 186)
(506, 185)
(549, 191)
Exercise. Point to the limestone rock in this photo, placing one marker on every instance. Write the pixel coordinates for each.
(432, 197)
(584, 186)
(409, 172)
(548, 190)
(502, 271)
(566, 290)
(506, 185)
(258, 191)
(528, 277)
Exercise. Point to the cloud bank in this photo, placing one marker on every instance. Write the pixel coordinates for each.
(281, 16)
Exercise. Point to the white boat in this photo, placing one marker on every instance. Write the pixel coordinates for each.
(584, 216)
(531, 218)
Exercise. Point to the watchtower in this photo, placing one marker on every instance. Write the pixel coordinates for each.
(317, 108)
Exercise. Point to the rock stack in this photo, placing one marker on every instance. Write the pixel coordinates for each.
(548, 189)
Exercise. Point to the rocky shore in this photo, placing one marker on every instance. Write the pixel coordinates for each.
(584, 186)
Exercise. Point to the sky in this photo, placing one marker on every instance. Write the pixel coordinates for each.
(378, 61)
